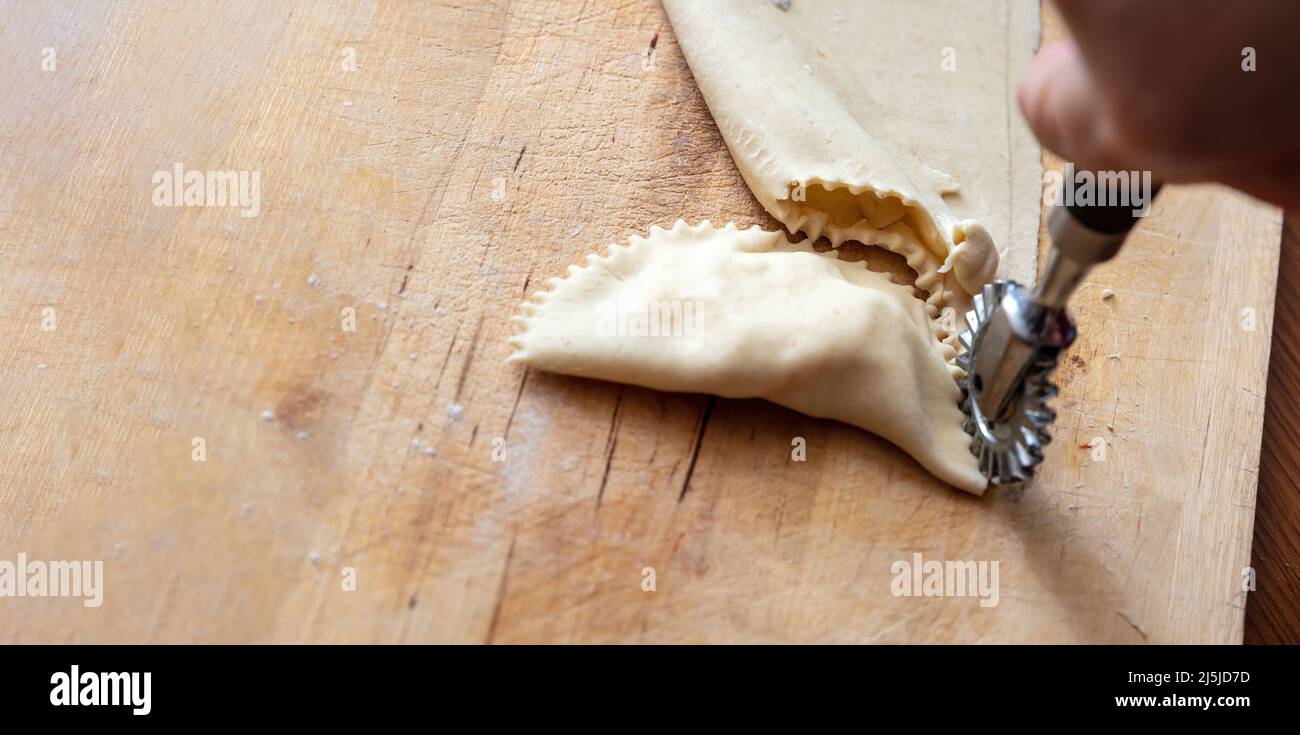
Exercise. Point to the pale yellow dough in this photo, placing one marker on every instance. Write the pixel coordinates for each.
(907, 101)
(887, 122)
(745, 314)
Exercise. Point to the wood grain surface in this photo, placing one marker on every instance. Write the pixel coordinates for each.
(1273, 615)
(475, 150)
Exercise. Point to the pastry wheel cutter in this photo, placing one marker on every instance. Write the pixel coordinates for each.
(1016, 335)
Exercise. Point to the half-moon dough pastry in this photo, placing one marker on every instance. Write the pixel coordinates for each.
(745, 314)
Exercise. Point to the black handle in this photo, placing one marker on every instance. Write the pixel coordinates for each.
(1111, 219)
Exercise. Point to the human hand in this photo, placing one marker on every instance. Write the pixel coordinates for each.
(1164, 85)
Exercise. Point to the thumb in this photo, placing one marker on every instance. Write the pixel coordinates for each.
(1067, 112)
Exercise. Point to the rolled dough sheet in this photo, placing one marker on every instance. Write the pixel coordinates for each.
(889, 122)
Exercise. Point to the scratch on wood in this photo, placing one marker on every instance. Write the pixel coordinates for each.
(677, 542)
(611, 442)
(451, 346)
(501, 590)
(780, 519)
(695, 448)
(486, 249)
(1129, 620)
(515, 406)
(406, 277)
(469, 359)
(519, 158)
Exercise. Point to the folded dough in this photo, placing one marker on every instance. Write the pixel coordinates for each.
(874, 112)
(851, 120)
(744, 314)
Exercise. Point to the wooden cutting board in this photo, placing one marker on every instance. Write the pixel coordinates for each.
(405, 484)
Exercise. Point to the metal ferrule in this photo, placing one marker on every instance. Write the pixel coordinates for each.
(1076, 248)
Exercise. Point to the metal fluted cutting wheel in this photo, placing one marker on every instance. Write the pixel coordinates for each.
(1007, 450)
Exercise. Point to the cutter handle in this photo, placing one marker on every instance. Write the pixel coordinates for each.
(1083, 236)
(1114, 219)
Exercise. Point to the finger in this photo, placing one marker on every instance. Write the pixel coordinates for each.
(1067, 113)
